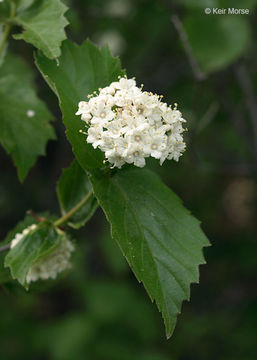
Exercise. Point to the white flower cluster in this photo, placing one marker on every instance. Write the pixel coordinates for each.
(129, 124)
(51, 265)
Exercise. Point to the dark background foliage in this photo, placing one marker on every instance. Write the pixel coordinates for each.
(98, 310)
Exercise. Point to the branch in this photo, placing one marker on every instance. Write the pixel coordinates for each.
(36, 216)
(208, 116)
(199, 75)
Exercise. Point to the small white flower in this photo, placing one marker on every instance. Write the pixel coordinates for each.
(49, 266)
(157, 143)
(129, 124)
(95, 136)
(82, 107)
(126, 84)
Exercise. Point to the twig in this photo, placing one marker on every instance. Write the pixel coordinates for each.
(36, 216)
(199, 75)
(208, 116)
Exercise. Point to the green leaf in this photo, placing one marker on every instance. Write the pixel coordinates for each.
(81, 70)
(217, 41)
(161, 241)
(73, 187)
(24, 126)
(23, 5)
(43, 23)
(35, 245)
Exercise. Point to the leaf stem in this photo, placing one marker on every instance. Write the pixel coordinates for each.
(38, 218)
(62, 220)
(8, 26)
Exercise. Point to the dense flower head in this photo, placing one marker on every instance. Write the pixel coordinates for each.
(49, 266)
(129, 124)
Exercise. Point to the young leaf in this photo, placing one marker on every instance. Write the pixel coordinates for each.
(36, 244)
(161, 241)
(72, 189)
(24, 126)
(80, 71)
(43, 23)
(217, 41)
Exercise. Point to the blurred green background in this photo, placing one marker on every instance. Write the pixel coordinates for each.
(207, 64)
